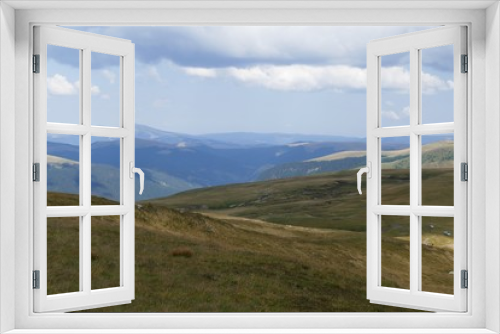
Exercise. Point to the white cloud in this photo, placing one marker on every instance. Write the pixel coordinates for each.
(95, 90)
(406, 111)
(398, 78)
(275, 44)
(337, 77)
(431, 84)
(396, 115)
(110, 75)
(152, 72)
(200, 72)
(301, 77)
(226, 46)
(395, 77)
(59, 85)
(391, 115)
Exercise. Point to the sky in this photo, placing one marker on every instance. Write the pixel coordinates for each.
(293, 79)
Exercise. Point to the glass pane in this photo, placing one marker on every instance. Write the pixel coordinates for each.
(63, 85)
(437, 254)
(63, 255)
(105, 171)
(105, 256)
(395, 171)
(437, 84)
(63, 170)
(395, 89)
(437, 169)
(105, 90)
(395, 251)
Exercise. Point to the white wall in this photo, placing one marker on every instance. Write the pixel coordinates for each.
(492, 164)
(7, 161)
(478, 125)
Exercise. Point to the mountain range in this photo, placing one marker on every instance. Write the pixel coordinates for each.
(434, 155)
(175, 162)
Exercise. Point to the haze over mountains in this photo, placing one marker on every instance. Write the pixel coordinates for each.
(175, 162)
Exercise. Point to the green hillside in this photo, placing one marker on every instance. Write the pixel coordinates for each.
(63, 176)
(312, 167)
(321, 201)
(434, 155)
(188, 262)
(328, 200)
(295, 245)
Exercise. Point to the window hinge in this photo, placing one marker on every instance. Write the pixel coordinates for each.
(36, 279)
(36, 63)
(465, 64)
(36, 172)
(465, 279)
(464, 171)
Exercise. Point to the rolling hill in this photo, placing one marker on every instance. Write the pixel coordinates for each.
(288, 245)
(327, 200)
(330, 202)
(188, 262)
(294, 245)
(434, 155)
(63, 176)
(249, 139)
(179, 139)
(172, 168)
(215, 262)
(174, 162)
(215, 140)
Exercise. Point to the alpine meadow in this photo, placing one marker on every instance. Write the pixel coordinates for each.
(292, 239)
(250, 139)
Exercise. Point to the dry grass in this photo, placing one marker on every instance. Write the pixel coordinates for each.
(241, 262)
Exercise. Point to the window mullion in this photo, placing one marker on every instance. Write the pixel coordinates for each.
(86, 122)
(85, 246)
(81, 219)
(415, 258)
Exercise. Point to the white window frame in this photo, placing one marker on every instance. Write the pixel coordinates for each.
(483, 315)
(86, 44)
(413, 44)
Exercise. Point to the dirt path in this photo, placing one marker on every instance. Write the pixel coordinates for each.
(263, 226)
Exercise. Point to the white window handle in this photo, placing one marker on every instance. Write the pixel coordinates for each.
(141, 175)
(368, 171)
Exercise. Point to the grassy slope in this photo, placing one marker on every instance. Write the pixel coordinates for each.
(236, 264)
(330, 201)
(323, 201)
(441, 148)
(434, 155)
(234, 267)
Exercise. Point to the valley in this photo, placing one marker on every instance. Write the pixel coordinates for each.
(239, 227)
(197, 252)
(175, 163)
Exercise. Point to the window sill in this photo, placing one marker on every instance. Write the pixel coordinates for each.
(251, 331)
